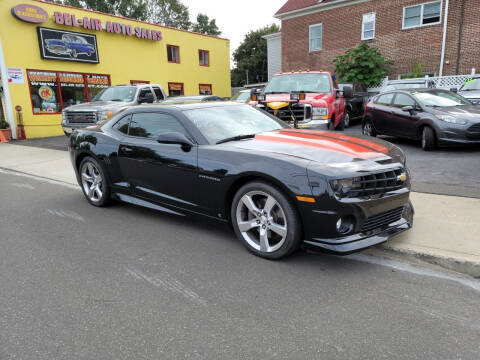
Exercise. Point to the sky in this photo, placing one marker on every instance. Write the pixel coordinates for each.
(235, 18)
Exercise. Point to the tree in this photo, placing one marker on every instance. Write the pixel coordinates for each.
(206, 26)
(251, 57)
(362, 64)
(169, 13)
(135, 9)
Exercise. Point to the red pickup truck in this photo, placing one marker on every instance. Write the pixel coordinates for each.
(310, 99)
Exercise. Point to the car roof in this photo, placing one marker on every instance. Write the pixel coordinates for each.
(187, 105)
(407, 81)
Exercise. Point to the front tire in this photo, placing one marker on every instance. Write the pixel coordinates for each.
(341, 124)
(347, 119)
(368, 129)
(265, 221)
(94, 182)
(428, 139)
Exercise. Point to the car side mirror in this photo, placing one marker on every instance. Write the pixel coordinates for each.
(408, 108)
(347, 92)
(454, 90)
(147, 98)
(175, 138)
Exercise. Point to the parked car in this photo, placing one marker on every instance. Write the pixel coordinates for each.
(311, 99)
(107, 103)
(243, 96)
(277, 186)
(180, 99)
(71, 45)
(355, 104)
(471, 90)
(408, 84)
(434, 116)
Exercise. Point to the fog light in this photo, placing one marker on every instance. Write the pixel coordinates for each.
(345, 225)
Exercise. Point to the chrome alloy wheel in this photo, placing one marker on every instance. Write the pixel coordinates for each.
(367, 129)
(92, 181)
(261, 221)
(346, 119)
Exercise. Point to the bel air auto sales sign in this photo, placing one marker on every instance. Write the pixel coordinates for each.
(35, 14)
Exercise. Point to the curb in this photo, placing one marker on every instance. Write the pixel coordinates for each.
(461, 266)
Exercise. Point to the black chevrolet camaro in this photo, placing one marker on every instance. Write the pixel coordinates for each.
(277, 186)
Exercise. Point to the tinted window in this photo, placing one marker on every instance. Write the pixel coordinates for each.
(158, 92)
(384, 99)
(122, 124)
(150, 125)
(402, 100)
(144, 91)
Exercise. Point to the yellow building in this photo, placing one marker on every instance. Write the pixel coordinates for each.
(52, 56)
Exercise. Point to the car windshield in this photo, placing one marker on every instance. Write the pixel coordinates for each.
(471, 85)
(313, 83)
(117, 93)
(223, 122)
(403, 86)
(241, 96)
(440, 98)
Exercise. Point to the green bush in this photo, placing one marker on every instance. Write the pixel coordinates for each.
(4, 124)
(362, 64)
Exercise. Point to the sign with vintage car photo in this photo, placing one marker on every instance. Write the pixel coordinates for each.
(67, 45)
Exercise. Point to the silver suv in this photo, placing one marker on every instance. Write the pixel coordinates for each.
(107, 103)
(471, 90)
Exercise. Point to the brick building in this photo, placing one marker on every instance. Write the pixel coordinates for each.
(315, 32)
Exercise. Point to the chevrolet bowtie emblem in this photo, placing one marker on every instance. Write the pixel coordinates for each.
(402, 177)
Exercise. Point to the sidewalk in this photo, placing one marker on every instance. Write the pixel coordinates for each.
(446, 229)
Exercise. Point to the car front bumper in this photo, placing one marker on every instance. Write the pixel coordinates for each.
(359, 241)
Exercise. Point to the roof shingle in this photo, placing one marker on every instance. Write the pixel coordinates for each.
(292, 5)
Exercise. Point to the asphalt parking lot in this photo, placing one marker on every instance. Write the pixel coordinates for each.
(124, 282)
(452, 171)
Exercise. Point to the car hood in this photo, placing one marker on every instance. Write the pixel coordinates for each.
(474, 94)
(324, 149)
(97, 106)
(470, 112)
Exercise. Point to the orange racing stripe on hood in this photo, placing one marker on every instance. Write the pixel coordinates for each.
(297, 138)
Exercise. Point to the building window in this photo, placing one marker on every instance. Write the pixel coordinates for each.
(204, 57)
(368, 26)
(315, 36)
(51, 92)
(175, 89)
(173, 54)
(139, 82)
(421, 15)
(205, 89)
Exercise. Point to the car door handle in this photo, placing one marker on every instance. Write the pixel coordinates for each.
(126, 149)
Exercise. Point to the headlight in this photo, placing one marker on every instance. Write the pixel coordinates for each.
(64, 117)
(342, 187)
(104, 115)
(452, 119)
(319, 113)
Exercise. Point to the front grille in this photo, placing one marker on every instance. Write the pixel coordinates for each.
(300, 112)
(377, 221)
(81, 117)
(473, 132)
(378, 183)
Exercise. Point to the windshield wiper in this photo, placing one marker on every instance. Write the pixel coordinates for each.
(276, 92)
(116, 100)
(236, 138)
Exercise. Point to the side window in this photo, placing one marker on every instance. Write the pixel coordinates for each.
(402, 100)
(144, 92)
(150, 125)
(122, 124)
(158, 93)
(384, 99)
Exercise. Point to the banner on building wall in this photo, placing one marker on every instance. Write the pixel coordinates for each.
(15, 76)
(67, 45)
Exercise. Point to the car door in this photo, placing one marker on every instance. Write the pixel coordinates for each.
(162, 173)
(357, 100)
(403, 123)
(381, 113)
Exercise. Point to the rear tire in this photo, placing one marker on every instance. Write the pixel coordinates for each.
(94, 183)
(347, 118)
(429, 141)
(368, 129)
(265, 221)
